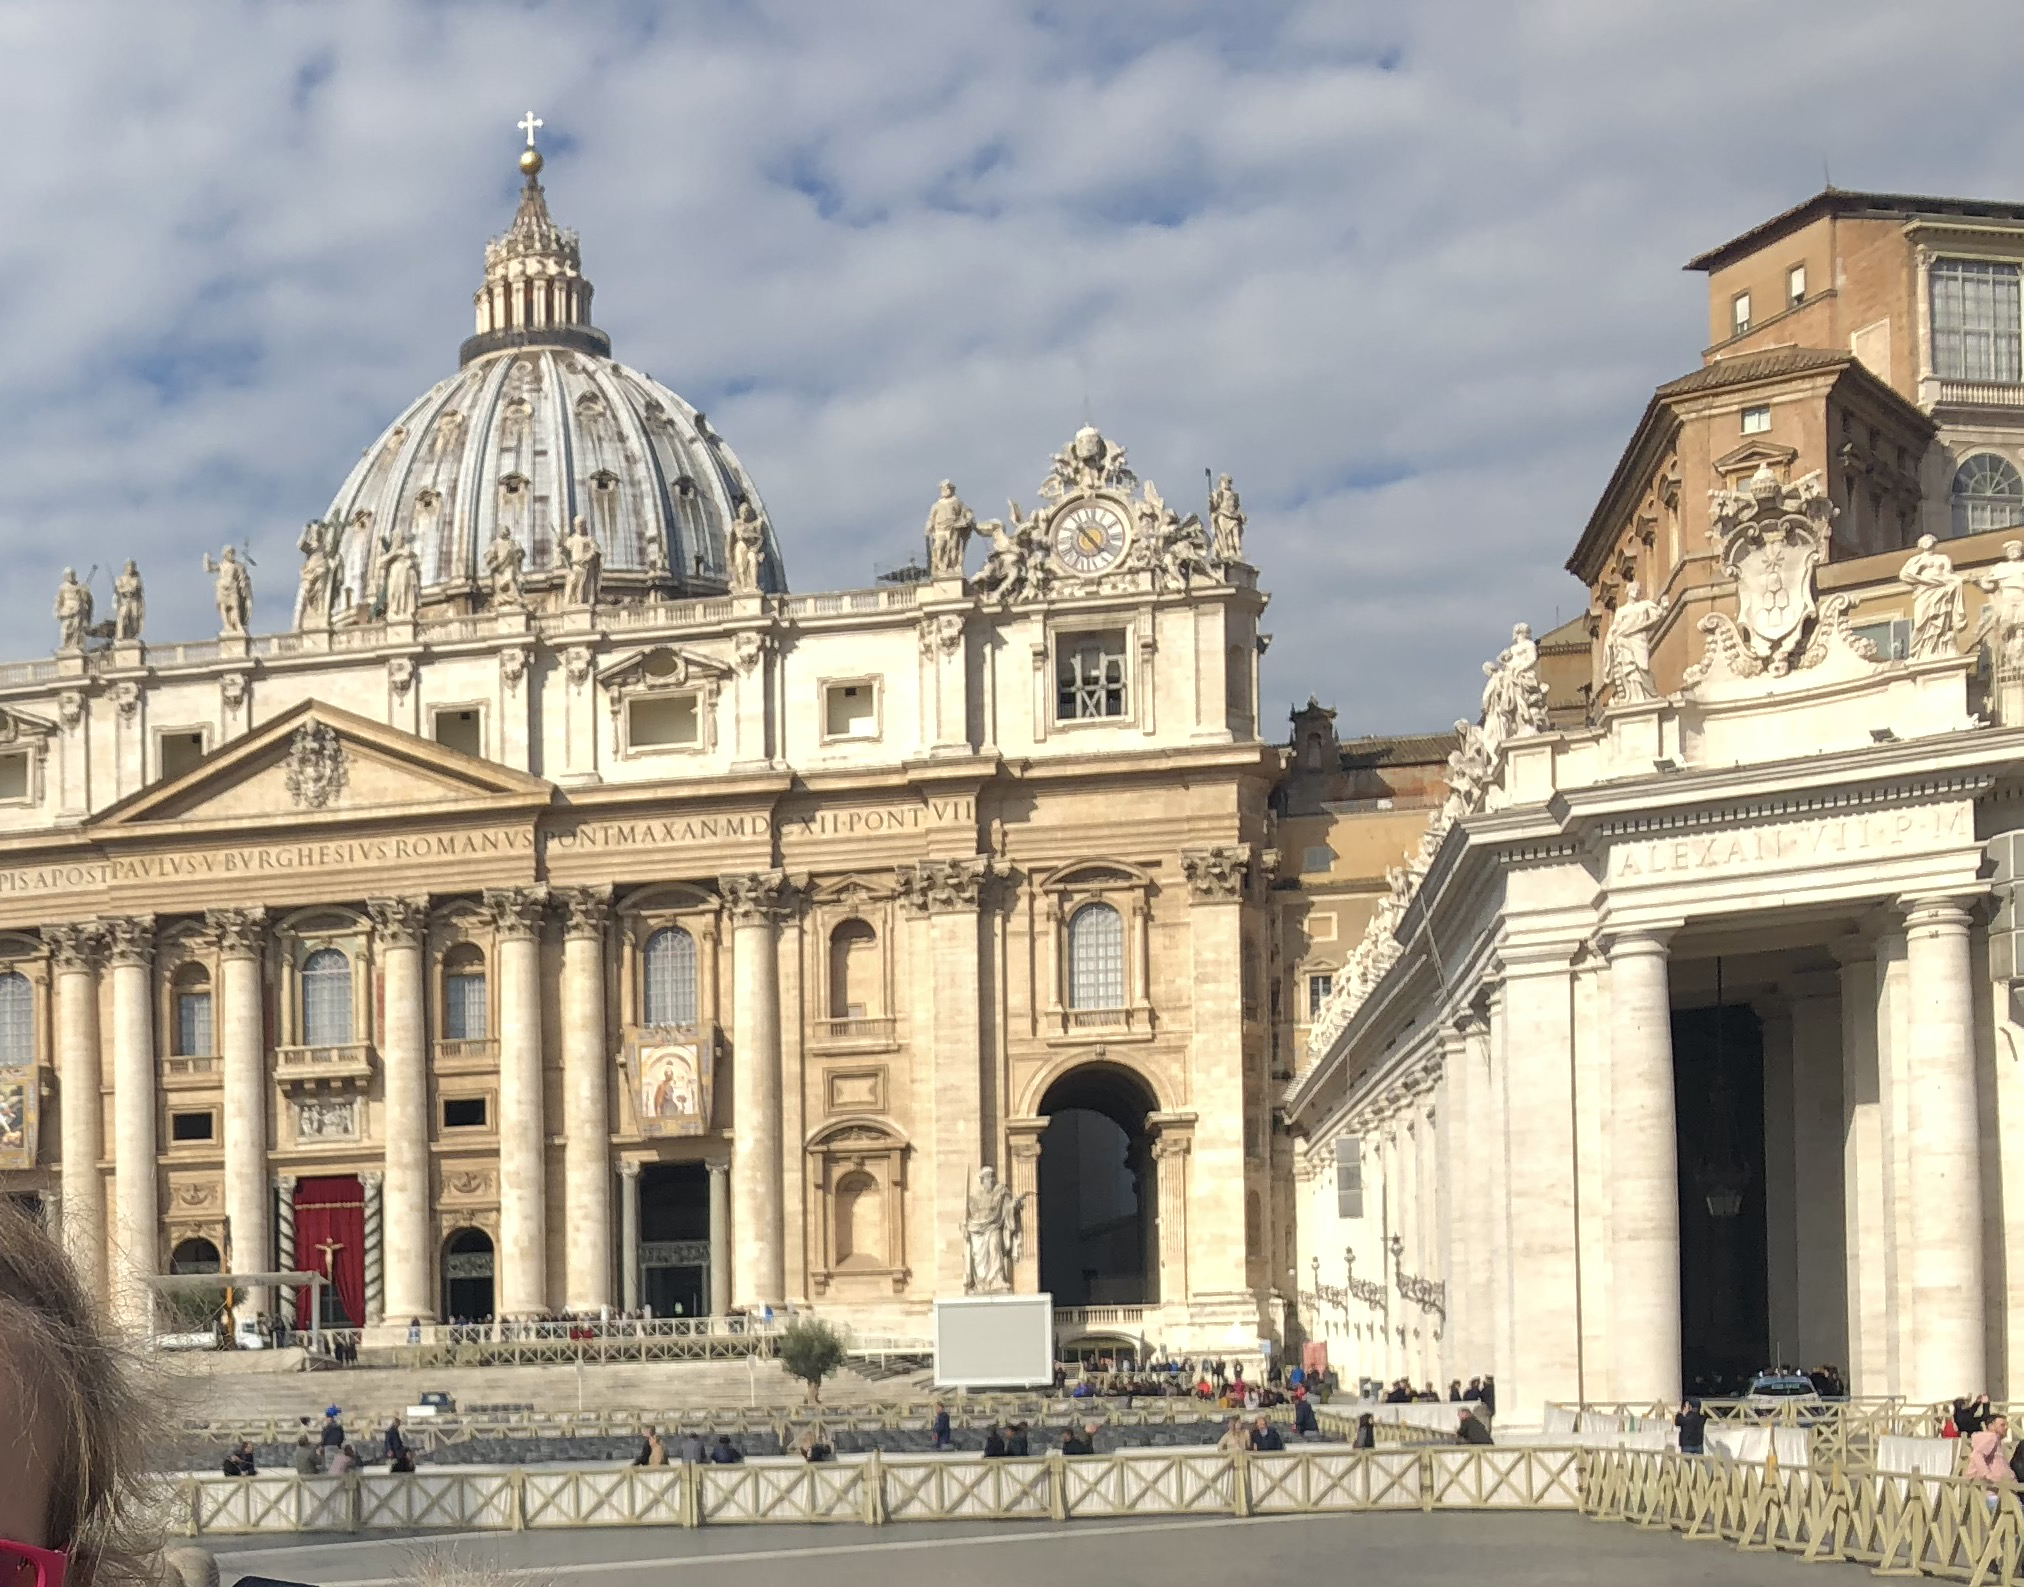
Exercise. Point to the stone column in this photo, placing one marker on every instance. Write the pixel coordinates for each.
(1404, 1257)
(1023, 1147)
(136, 1208)
(284, 1223)
(399, 924)
(523, 1138)
(1216, 1176)
(242, 1049)
(629, 1234)
(76, 950)
(586, 1108)
(1543, 1362)
(1865, 1234)
(375, 1248)
(947, 892)
(720, 1237)
(758, 1277)
(1945, 1298)
(1645, 1257)
(1171, 1148)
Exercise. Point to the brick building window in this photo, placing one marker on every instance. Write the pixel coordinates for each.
(1988, 493)
(1976, 332)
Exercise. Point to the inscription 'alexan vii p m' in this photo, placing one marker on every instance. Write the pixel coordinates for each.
(1832, 840)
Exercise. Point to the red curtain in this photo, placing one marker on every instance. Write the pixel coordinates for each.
(330, 1222)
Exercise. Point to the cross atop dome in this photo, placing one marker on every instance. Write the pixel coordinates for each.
(535, 293)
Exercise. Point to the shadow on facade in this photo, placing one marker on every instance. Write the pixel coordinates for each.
(1099, 1231)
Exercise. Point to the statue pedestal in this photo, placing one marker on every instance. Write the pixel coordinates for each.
(995, 1342)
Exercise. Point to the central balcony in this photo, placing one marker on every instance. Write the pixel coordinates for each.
(322, 1068)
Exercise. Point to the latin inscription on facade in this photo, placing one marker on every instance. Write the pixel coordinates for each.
(1834, 840)
(262, 859)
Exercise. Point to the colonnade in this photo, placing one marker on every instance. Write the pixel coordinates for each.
(746, 1194)
(1527, 1154)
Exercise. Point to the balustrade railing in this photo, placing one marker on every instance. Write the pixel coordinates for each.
(859, 1028)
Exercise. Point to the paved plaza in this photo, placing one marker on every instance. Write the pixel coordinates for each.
(1513, 1550)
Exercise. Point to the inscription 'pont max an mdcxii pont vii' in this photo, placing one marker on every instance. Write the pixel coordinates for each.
(1793, 842)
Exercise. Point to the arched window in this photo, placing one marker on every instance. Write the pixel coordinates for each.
(17, 1019)
(195, 1255)
(1988, 493)
(326, 999)
(1096, 958)
(192, 984)
(464, 1008)
(670, 978)
(853, 971)
(860, 1221)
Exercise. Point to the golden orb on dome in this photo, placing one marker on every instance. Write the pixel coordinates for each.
(530, 161)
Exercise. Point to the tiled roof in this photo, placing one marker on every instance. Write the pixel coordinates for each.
(1746, 367)
(1876, 206)
(1398, 749)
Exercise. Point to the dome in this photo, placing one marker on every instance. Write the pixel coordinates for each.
(539, 427)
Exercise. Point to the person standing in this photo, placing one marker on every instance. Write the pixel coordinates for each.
(1692, 1422)
(939, 1434)
(1985, 1453)
(396, 1442)
(333, 1430)
(308, 1463)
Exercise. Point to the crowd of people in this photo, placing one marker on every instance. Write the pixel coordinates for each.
(1167, 1377)
(1481, 1390)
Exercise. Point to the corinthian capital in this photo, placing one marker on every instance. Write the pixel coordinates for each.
(586, 910)
(75, 945)
(240, 932)
(130, 939)
(516, 911)
(1219, 872)
(943, 886)
(753, 899)
(398, 922)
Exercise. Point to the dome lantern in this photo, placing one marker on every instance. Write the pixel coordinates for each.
(535, 292)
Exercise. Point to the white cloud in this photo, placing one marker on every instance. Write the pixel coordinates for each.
(1408, 271)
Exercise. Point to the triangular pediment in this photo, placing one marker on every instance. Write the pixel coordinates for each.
(1752, 455)
(651, 665)
(316, 761)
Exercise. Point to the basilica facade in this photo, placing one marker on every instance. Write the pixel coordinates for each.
(559, 915)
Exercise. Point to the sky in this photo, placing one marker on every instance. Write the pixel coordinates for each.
(1408, 272)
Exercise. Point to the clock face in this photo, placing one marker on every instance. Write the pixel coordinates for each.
(1089, 537)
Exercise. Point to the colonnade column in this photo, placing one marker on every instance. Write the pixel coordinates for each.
(136, 1205)
(77, 950)
(1405, 1252)
(1645, 1182)
(242, 1049)
(1171, 1148)
(523, 1138)
(1865, 1233)
(758, 1276)
(407, 1234)
(1945, 1299)
(720, 1237)
(586, 1108)
(629, 1234)
(1468, 1145)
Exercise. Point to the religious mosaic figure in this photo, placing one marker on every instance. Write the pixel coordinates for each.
(503, 560)
(748, 550)
(1226, 520)
(1627, 651)
(585, 565)
(399, 573)
(1939, 609)
(234, 591)
(316, 593)
(73, 611)
(129, 603)
(950, 525)
(2005, 611)
(994, 1235)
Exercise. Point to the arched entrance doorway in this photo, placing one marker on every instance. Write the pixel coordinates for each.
(674, 1253)
(1099, 1225)
(467, 1276)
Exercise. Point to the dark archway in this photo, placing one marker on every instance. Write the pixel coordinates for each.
(468, 1267)
(674, 1253)
(1098, 1216)
(1718, 1089)
(195, 1255)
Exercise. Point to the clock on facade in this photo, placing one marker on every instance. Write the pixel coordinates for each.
(1090, 537)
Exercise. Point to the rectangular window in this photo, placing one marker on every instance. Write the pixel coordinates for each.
(14, 777)
(1318, 988)
(193, 1025)
(1317, 857)
(1739, 314)
(1892, 637)
(663, 721)
(463, 731)
(178, 752)
(1349, 1176)
(1795, 285)
(463, 1113)
(193, 1126)
(1090, 677)
(850, 710)
(464, 1008)
(1757, 420)
(1976, 334)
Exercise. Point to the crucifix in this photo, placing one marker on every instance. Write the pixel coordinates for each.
(527, 124)
(329, 1248)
